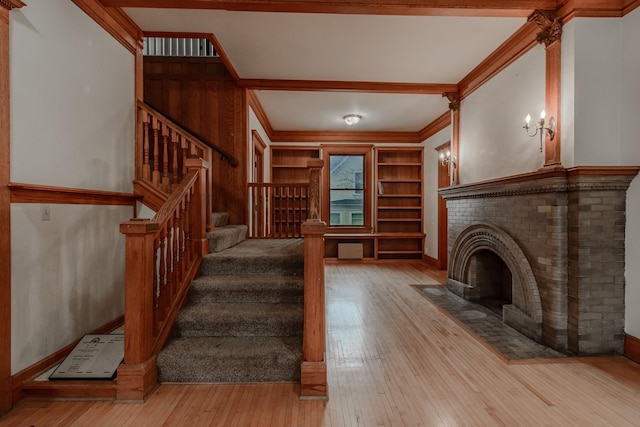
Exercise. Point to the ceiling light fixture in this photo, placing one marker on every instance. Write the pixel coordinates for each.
(352, 119)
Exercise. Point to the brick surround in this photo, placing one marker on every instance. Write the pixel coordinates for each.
(561, 234)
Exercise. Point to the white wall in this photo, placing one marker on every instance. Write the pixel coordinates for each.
(254, 124)
(492, 143)
(72, 125)
(431, 190)
(630, 155)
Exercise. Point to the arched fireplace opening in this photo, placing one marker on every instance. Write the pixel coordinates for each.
(491, 280)
(487, 266)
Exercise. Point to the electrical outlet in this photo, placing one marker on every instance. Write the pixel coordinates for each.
(46, 213)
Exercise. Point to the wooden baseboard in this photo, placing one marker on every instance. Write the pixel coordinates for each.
(6, 401)
(313, 381)
(20, 380)
(632, 347)
(435, 263)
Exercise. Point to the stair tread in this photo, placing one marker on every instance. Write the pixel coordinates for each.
(246, 310)
(231, 359)
(249, 281)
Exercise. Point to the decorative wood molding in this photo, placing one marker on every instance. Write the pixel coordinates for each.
(435, 126)
(11, 4)
(32, 193)
(115, 22)
(517, 8)
(508, 52)
(342, 86)
(5, 216)
(595, 9)
(629, 6)
(549, 25)
(21, 379)
(366, 137)
(454, 100)
(632, 347)
(256, 106)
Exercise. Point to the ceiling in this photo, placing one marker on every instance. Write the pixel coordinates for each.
(390, 69)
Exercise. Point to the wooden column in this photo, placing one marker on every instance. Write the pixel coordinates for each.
(454, 107)
(199, 206)
(6, 401)
(551, 34)
(313, 379)
(138, 375)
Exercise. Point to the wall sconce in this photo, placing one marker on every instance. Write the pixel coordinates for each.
(448, 160)
(540, 127)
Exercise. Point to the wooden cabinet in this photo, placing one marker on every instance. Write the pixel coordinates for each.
(398, 203)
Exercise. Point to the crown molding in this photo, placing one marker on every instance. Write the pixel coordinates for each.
(347, 86)
(256, 106)
(114, 21)
(435, 126)
(353, 137)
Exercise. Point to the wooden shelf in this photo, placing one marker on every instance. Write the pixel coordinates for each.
(399, 214)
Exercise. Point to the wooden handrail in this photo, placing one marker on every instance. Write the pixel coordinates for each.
(162, 257)
(191, 134)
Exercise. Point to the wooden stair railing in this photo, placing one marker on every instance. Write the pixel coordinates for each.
(162, 258)
(162, 147)
(313, 378)
(277, 210)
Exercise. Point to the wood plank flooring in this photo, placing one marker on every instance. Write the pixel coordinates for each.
(394, 359)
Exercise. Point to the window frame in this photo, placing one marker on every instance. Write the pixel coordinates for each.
(367, 181)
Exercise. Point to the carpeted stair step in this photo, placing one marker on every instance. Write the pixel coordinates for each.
(225, 237)
(220, 219)
(239, 319)
(270, 288)
(258, 256)
(231, 360)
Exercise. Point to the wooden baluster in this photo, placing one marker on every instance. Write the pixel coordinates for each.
(155, 175)
(188, 225)
(184, 144)
(165, 266)
(178, 252)
(165, 158)
(146, 167)
(174, 154)
(156, 286)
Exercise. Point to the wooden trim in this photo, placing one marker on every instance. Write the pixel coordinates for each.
(346, 86)
(5, 215)
(115, 22)
(507, 8)
(365, 137)
(435, 126)
(33, 193)
(603, 170)
(209, 36)
(553, 102)
(11, 4)
(256, 106)
(632, 347)
(513, 48)
(629, 6)
(21, 380)
(431, 261)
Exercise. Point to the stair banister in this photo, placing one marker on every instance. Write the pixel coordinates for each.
(313, 378)
(162, 256)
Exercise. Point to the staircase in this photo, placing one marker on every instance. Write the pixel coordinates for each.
(244, 316)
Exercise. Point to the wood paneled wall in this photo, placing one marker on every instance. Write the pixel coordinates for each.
(201, 95)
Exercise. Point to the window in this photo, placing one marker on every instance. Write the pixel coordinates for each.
(347, 201)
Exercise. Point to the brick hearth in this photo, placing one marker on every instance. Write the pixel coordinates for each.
(561, 234)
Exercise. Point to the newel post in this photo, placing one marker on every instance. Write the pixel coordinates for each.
(313, 378)
(199, 206)
(138, 375)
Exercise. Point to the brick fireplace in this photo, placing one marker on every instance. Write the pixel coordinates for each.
(548, 248)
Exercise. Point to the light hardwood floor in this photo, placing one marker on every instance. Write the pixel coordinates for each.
(394, 359)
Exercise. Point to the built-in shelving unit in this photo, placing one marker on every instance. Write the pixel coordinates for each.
(398, 203)
(289, 203)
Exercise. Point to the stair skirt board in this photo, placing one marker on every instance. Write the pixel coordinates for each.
(244, 317)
